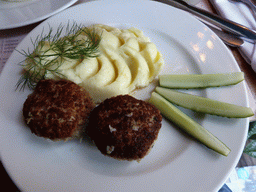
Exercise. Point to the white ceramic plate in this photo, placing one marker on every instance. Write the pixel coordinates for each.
(24, 12)
(177, 162)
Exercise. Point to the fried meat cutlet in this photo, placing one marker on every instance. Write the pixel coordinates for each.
(124, 128)
(58, 110)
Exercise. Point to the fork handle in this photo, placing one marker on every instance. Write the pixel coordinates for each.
(228, 25)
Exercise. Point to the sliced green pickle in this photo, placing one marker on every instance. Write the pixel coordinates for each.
(188, 81)
(205, 105)
(183, 121)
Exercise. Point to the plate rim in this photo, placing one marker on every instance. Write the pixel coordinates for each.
(39, 18)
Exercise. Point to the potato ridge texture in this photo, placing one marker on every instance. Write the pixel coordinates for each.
(57, 109)
(124, 128)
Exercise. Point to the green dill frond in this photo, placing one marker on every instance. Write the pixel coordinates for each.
(51, 49)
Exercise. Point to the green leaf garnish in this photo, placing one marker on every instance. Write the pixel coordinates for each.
(252, 131)
(250, 149)
(50, 50)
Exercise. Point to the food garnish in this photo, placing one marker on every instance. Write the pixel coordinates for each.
(250, 148)
(164, 98)
(184, 122)
(49, 51)
(186, 81)
(104, 60)
(205, 105)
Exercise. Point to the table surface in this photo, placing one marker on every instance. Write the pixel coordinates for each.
(12, 37)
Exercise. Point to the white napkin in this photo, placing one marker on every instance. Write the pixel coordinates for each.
(240, 13)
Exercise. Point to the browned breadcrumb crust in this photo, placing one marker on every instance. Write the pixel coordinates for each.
(57, 110)
(124, 128)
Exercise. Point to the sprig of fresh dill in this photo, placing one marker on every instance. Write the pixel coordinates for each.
(42, 60)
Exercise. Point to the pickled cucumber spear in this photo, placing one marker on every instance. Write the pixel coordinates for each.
(205, 105)
(187, 81)
(183, 121)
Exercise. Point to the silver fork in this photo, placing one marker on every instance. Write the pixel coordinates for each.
(249, 4)
(227, 38)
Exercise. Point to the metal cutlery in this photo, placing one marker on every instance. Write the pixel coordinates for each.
(227, 38)
(225, 24)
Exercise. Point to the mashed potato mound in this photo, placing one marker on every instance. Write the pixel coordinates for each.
(128, 60)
